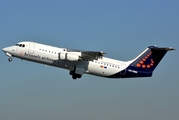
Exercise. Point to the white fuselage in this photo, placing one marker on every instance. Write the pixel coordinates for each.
(49, 55)
(79, 62)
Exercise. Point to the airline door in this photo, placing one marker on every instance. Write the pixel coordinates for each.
(123, 68)
(31, 48)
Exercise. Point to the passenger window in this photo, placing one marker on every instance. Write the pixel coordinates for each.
(20, 45)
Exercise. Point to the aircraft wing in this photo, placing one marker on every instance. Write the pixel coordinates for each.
(89, 55)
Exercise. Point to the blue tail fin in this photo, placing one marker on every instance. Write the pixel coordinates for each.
(144, 64)
(147, 61)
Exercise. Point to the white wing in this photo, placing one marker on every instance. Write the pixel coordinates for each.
(89, 55)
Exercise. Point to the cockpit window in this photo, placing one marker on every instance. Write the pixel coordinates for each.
(20, 45)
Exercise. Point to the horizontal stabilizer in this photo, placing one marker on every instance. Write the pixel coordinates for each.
(165, 48)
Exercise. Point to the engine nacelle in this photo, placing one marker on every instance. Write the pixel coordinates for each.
(62, 56)
(68, 56)
(72, 57)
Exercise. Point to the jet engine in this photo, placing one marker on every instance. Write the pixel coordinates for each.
(68, 56)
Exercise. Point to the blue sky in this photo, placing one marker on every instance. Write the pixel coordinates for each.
(122, 29)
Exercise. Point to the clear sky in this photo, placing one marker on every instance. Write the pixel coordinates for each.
(121, 28)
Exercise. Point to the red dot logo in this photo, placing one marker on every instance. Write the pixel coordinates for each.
(142, 62)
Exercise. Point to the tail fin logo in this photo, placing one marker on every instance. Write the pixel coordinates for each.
(143, 62)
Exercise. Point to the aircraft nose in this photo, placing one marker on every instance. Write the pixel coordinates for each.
(4, 49)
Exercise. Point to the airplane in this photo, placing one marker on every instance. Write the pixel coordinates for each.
(80, 62)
